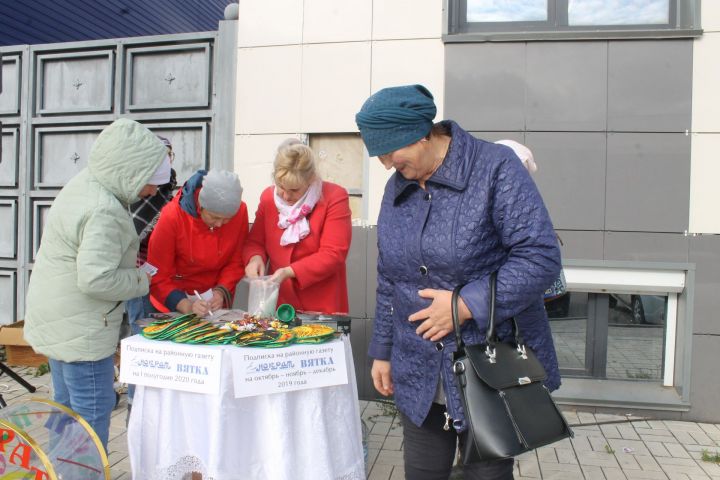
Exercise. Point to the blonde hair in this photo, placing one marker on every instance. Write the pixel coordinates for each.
(294, 165)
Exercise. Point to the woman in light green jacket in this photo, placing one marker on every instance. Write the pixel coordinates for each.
(85, 268)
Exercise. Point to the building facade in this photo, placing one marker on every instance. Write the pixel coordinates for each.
(619, 112)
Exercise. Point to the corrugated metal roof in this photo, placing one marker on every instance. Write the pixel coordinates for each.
(50, 21)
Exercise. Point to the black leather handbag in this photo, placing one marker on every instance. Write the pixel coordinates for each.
(508, 410)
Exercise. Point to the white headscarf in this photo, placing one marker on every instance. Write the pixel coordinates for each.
(162, 174)
(524, 153)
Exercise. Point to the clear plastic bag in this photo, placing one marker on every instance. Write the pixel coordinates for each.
(263, 296)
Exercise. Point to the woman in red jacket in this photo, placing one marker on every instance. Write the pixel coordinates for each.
(303, 226)
(197, 245)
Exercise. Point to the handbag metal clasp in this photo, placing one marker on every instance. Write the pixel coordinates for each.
(524, 380)
(458, 368)
(490, 354)
(521, 350)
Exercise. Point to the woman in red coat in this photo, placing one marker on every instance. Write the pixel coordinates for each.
(197, 245)
(303, 226)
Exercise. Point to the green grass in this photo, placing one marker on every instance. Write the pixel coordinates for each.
(710, 457)
(41, 370)
(609, 449)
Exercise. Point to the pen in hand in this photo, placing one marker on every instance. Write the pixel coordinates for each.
(200, 298)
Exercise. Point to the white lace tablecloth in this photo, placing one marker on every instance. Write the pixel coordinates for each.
(307, 434)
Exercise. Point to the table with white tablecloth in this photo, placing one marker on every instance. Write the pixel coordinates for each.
(305, 434)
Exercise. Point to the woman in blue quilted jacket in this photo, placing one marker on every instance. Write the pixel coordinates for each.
(456, 209)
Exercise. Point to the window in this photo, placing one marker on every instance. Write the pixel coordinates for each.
(618, 336)
(341, 160)
(623, 334)
(507, 20)
(618, 323)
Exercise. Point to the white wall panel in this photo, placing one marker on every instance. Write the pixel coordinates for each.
(276, 22)
(396, 19)
(335, 83)
(405, 62)
(253, 163)
(377, 178)
(706, 78)
(337, 20)
(704, 193)
(710, 16)
(268, 89)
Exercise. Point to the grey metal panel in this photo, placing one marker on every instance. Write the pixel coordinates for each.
(646, 247)
(571, 177)
(10, 158)
(75, 82)
(40, 209)
(648, 182)
(61, 152)
(566, 86)
(367, 391)
(8, 283)
(371, 265)
(10, 95)
(225, 75)
(357, 273)
(9, 230)
(485, 85)
(705, 254)
(495, 136)
(650, 85)
(169, 77)
(705, 389)
(358, 342)
(190, 144)
(581, 244)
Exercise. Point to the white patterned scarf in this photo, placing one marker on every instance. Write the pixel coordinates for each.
(293, 218)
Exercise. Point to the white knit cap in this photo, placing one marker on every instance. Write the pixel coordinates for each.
(221, 192)
(524, 153)
(162, 174)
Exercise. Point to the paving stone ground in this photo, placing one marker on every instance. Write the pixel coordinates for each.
(605, 447)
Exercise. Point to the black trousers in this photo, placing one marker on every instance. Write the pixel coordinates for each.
(429, 452)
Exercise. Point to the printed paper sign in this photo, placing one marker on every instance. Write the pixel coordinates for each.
(191, 368)
(264, 371)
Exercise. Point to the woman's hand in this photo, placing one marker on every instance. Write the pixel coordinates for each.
(382, 378)
(281, 274)
(438, 316)
(184, 306)
(201, 308)
(216, 302)
(255, 267)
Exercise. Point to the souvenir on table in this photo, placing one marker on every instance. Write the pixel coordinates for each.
(192, 331)
(315, 333)
(257, 338)
(163, 328)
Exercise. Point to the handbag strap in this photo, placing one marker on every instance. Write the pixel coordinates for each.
(491, 334)
(456, 317)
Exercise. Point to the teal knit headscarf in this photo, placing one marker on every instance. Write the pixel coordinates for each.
(395, 117)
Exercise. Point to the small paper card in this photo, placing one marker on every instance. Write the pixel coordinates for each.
(148, 268)
(207, 295)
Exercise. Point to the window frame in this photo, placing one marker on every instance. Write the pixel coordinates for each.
(684, 22)
(676, 280)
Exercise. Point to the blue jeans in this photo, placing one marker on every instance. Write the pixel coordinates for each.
(87, 388)
(137, 308)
